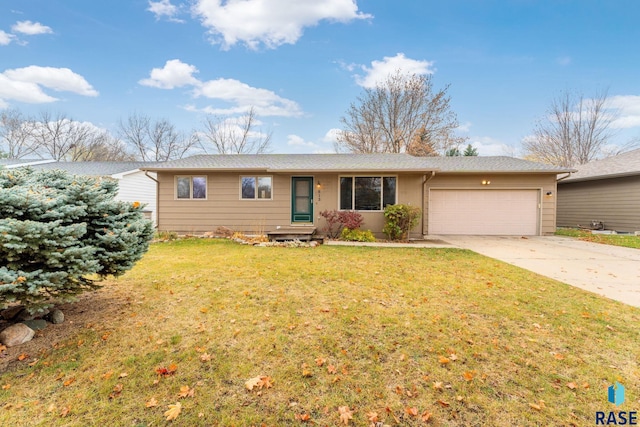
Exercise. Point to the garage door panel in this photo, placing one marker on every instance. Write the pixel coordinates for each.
(483, 212)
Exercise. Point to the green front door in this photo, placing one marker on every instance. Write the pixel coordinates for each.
(302, 199)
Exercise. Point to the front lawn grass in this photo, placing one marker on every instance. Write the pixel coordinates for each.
(626, 240)
(403, 336)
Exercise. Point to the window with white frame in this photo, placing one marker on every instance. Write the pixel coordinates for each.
(256, 187)
(367, 193)
(191, 187)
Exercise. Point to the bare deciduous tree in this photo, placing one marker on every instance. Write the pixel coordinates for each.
(234, 135)
(575, 131)
(59, 137)
(403, 113)
(16, 135)
(155, 140)
(101, 147)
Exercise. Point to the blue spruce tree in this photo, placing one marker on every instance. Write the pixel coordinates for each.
(58, 231)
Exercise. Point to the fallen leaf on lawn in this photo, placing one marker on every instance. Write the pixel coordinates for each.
(426, 416)
(173, 411)
(559, 356)
(68, 382)
(535, 406)
(204, 310)
(437, 385)
(107, 375)
(151, 403)
(303, 417)
(261, 381)
(23, 356)
(411, 411)
(116, 391)
(124, 374)
(205, 357)
(373, 417)
(186, 391)
(443, 360)
(468, 375)
(51, 408)
(320, 361)
(6, 386)
(332, 369)
(165, 372)
(345, 414)
(443, 403)
(65, 411)
(572, 385)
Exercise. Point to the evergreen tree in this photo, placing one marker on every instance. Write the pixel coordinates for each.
(57, 230)
(470, 151)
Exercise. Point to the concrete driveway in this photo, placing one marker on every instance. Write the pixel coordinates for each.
(606, 270)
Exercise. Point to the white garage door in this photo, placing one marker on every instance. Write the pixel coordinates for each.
(483, 212)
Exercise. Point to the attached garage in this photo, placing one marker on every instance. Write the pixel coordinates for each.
(505, 212)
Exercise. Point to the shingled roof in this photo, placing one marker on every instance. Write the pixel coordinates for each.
(353, 163)
(94, 168)
(625, 164)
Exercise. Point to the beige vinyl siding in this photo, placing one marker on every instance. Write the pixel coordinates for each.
(541, 182)
(615, 201)
(224, 207)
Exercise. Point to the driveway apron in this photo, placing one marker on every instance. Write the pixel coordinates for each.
(611, 271)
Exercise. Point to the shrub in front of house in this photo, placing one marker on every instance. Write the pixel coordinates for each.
(338, 220)
(59, 231)
(399, 219)
(357, 235)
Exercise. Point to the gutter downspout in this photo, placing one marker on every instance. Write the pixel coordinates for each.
(146, 173)
(564, 177)
(424, 188)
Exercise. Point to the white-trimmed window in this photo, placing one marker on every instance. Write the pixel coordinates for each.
(191, 187)
(367, 193)
(256, 188)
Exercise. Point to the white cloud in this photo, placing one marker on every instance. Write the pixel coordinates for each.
(464, 127)
(331, 136)
(379, 70)
(164, 9)
(22, 91)
(238, 97)
(298, 141)
(243, 97)
(628, 108)
(175, 73)
(58, 79)
(488, 146)
(31, 28)
(269, 22)
(5, 38)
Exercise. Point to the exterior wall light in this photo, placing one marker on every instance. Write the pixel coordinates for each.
(486, 182)
(549, 193)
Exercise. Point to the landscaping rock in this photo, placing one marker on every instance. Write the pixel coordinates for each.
(11, 312)
(16, 334)
(25, 315)
(36, 324)
(56, 316)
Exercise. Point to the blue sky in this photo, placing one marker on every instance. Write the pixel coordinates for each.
(300, 63)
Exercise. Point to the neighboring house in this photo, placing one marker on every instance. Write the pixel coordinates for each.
(133, 185)
(259, 193)
(606, 190)
(14, 163)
